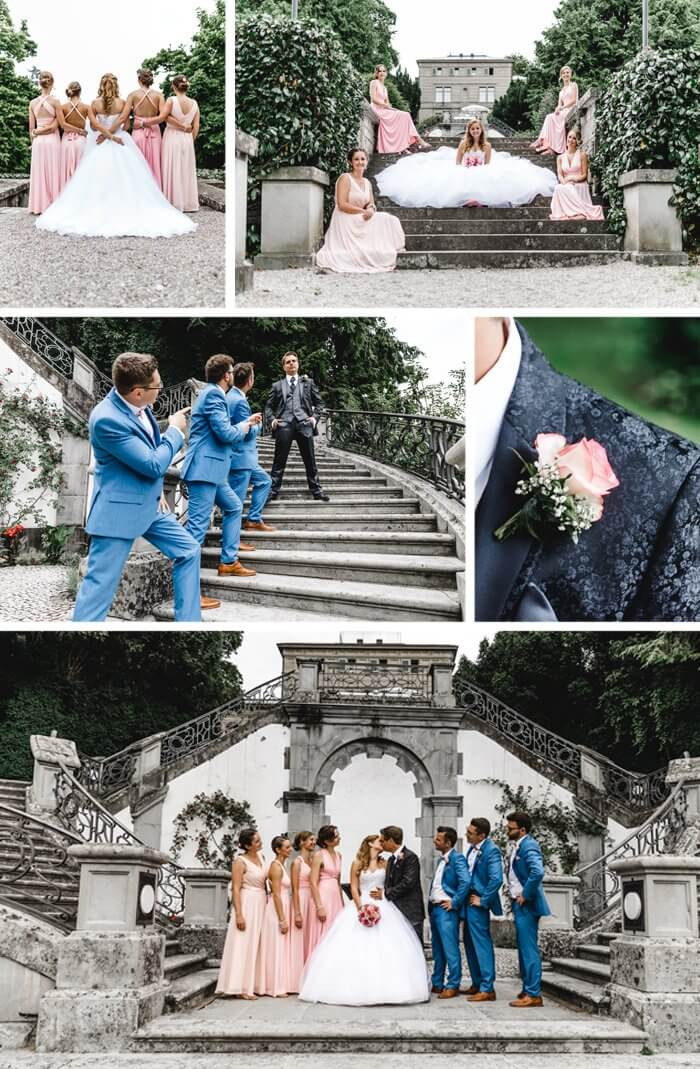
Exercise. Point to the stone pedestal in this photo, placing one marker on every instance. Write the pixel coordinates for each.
(367, 133)
(47, 751)
(560, 892)
(308, 686)
(206, 910)
(109, 973)
(654, 234)
(655, 964)
(246, 149)
(292, 217)
(442, 696)
(687, 770)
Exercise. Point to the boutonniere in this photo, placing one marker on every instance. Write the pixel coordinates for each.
(564, 488)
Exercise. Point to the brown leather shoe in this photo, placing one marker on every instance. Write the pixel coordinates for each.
(246, 547)
(449, 992)
(209, 603)
(527, 1000)
(471, 990)
(256, 525)
(482, 996)
(236, 569)
(435, 990)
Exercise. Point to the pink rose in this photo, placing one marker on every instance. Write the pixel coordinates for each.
(585, 462)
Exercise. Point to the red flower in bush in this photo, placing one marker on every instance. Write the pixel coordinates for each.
(14, 532)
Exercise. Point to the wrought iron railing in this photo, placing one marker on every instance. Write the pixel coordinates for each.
(365, 680)
(417, 444)
(102, 776)
(599, 890)
(639, 789)
(37, 875)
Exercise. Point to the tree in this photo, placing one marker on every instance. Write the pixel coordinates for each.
(410, 90)
(513, 107)
(16, 91)
(204, 63)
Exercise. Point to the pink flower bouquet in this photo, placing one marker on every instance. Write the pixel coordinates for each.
(369, 915)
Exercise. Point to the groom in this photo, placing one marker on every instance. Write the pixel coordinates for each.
(640, 560)
(293, 410)
(402, 882)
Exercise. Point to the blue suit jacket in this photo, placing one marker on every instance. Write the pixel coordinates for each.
(455, 879)
(486, 878)
(529, 868)
(244, 455)
(211, 438)
(129, 469)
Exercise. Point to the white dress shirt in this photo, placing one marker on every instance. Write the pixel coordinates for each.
(473, 857)
(437, 894)
(514, 884)
(491, 396)
(142, 417)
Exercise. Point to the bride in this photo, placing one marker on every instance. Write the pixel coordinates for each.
(475, 175)
(356, 965)
(113, 192)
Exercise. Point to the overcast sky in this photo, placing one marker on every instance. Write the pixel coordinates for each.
(492, 27)
(440, 334)
(104, 39)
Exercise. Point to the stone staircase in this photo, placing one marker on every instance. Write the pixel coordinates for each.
(496, 237)
(371, 552)
(192, 977)
(582, 981)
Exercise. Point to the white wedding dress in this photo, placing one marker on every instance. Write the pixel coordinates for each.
(432, 179)
(113, 194)
(358, 966)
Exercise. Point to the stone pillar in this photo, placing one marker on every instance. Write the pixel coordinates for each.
(655, 964)
(304, 809)
(47, 751)
(654, 234)
(442, 694)
(560, 892)
(109, 974)
(436, 809)
(591, 768)
(246, 149)
(147, 816)
(367, 134)
(687, 769)
(308, 673)
(292, 217)
(206, 911)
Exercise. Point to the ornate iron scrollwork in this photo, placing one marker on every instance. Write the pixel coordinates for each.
(38, 876)
(369, 681)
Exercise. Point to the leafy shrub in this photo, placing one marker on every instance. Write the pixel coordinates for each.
(650, 117)
(212, 822)
(54, 541)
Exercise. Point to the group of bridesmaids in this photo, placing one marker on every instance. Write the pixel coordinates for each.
(170, 157)
(279, 912)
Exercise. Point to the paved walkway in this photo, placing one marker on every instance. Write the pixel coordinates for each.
(618, 285)
(25, 1060)
(40, 269)
(34, 592)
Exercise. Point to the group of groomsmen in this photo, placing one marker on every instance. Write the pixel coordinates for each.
(221, 463)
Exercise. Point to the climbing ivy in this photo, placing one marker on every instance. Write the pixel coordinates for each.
(202, 822)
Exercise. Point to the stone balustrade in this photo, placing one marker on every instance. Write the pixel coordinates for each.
(246, 149)
(367, 133)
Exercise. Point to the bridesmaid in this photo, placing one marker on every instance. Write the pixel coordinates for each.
(178, 163)
(553, 133)
(73, 119)
(396, 131)
(146, 104)
(272, 973)
(45, 177)
(359, 239)
(304, 844)
(326, 894)
(572, 197)
(248, 898)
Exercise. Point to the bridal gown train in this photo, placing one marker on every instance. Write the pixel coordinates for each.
(114, 194)
(432, 179)
(358, 966)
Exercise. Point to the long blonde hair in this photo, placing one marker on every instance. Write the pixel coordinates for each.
(108, 91)
(364, 855)
(467, 143)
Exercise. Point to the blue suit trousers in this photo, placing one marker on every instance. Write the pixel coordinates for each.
(260, 483)
(526, 927)
(201, 500)
(108, 556)
(479, 948)
(444, 929)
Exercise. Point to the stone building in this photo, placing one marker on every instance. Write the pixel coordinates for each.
(461, 84)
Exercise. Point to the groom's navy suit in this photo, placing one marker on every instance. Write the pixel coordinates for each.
(485, 880)
(641, 561)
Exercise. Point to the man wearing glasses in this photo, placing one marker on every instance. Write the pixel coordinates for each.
(131, 458)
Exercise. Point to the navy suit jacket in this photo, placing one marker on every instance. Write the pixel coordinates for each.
(641, 561)
(486, 878)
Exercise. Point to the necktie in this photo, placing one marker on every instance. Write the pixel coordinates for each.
(292, 384)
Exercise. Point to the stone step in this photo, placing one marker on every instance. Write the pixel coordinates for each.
(467, 225)
(190, 991)
(382, 519)
(430, 573)
(172, 946)
(585, 995)
(413, 543)
(540, 208)
(593, 952)
(345, 491)
(514, 243)
(338, 598)
(337, 483)
(177, 965)
(589, 971)
(514, 258)
(607, 937)
(289, 502)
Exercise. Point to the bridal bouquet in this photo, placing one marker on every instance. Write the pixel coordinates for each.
(369, 915)
(564, 488)
(472, 161)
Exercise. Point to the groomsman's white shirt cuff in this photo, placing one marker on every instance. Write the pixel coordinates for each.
(436, 892)
(514, 884)
(491, 397)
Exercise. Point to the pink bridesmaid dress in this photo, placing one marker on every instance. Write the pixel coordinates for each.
(396, 128)
(72, 148)
(45, 175)
(178, 163)
(329, 891)
(553, 132)
(149, 141)
(572, 200)
(298, 937)
(240, 957)
(354, 245)
(272, 974)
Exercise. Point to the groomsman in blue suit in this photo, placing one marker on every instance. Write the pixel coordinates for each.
(526, 871)
(131, 458)
(245, 466)
(207, 462)
(485, 866)
(445, 901)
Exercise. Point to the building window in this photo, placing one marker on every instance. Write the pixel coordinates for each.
(443, 94)
(456, 71)
(437, 70)
(489, 72)
(487, 94)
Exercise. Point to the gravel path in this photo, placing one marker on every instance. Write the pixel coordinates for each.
(619, 285)
(41, 269)
(35, 592)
